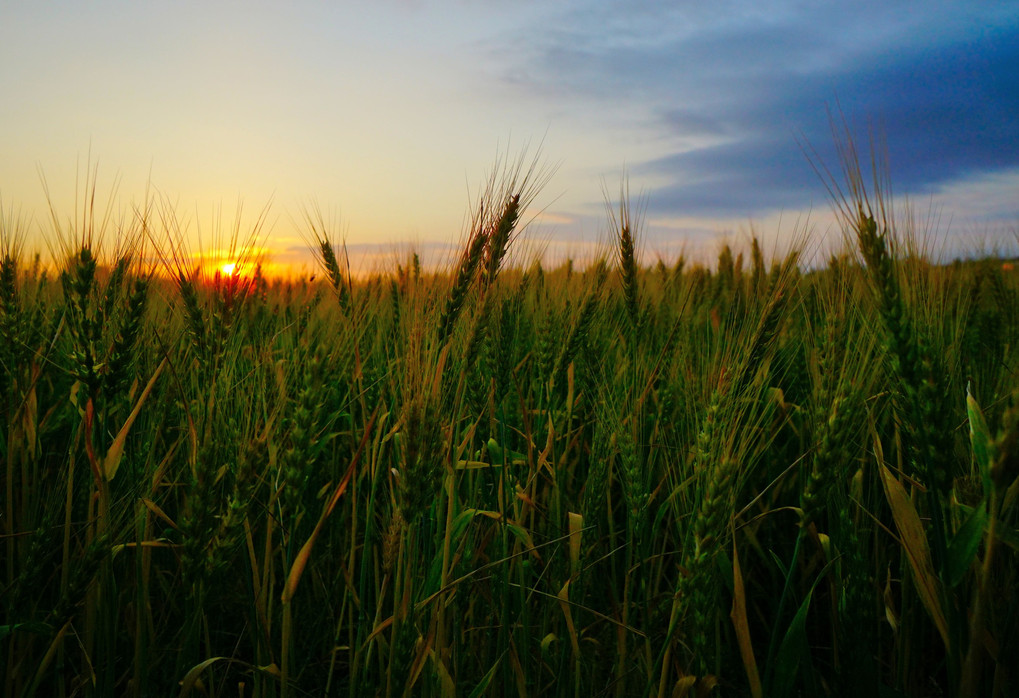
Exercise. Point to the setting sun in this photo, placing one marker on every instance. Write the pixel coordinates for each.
(228, 269)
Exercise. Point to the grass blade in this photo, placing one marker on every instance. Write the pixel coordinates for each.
(914, 543)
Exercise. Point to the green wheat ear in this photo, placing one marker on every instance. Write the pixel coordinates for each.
(470, 260)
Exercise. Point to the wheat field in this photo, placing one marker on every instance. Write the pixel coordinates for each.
(744, 478)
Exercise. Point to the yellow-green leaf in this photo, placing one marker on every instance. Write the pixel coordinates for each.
(917, 550)
(980, 438)
(740, 623)
(546, 644)
(564, 603)
(112, 461)
(576, 527)
(193, 678)
(504, 456)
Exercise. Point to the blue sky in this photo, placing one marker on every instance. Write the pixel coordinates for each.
(389, 115)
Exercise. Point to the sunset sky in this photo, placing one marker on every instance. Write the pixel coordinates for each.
(388, 115)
